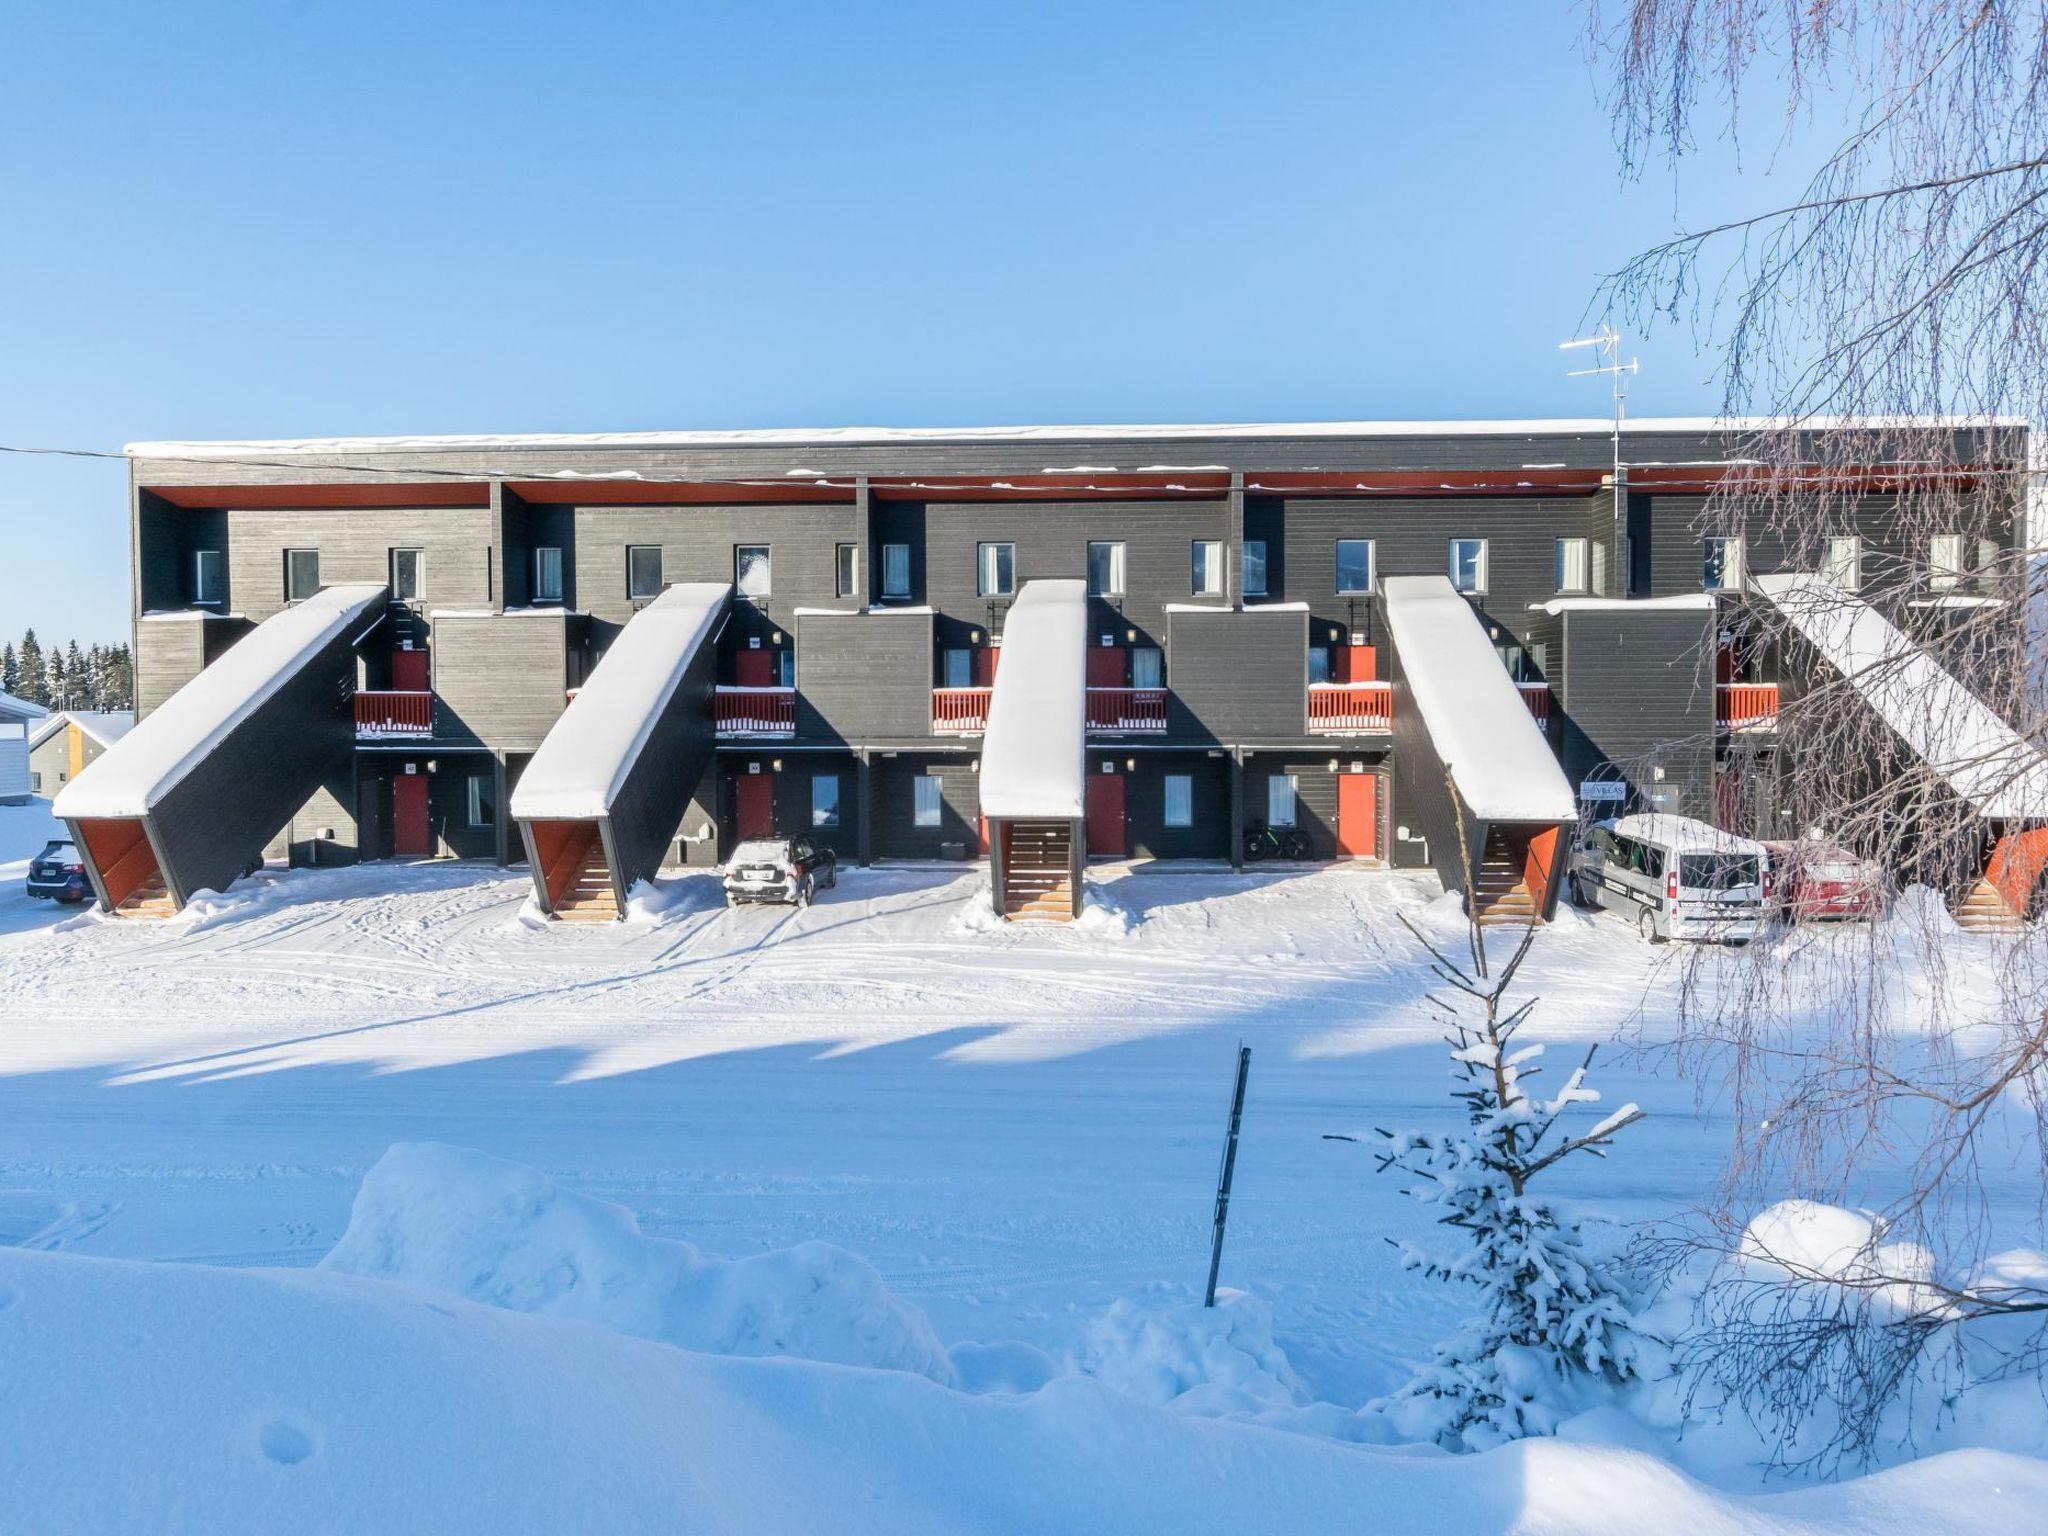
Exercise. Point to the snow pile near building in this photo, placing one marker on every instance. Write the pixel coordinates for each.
(1167, 1349)
(497, 1232)
(1031, 754)
(658, 901)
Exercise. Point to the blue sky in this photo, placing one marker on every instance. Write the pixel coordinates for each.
(292, 219)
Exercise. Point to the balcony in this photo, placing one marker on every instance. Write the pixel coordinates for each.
(1537, 697)
(960, 711)
(756, 711)
(1746, 706)
(394, 713)
(1350, 709)
(1120, 710)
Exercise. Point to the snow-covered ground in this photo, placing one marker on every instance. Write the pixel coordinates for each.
(1018, 1129)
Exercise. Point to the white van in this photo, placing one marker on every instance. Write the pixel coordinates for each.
(1674, 877)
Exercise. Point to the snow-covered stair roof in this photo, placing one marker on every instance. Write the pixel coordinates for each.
(1032, 762)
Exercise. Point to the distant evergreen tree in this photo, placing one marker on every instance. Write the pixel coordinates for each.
(120, 678)
(56, 681)
(78, 690)
(10, 669)
(35, 687)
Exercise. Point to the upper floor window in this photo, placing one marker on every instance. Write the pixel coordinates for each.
(1106, 569)
(846, 571)
(407, 571)
(1844, 564)
(1572, 565)
(209, 576)
(1988, 558)
(996, 570)
(643, 570)
(895, 570)
(1944, 560)
(1254, 567)
(1721, 565)
(547, 574)
(1468, 564)
(751, 571)
(1148, 667)
(1354, 565)
(301, 574)
(1207, 566)
(958, 664)
(1319, 664)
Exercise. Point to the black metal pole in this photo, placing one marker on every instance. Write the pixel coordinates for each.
(1244, 1066)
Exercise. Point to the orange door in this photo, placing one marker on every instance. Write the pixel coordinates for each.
(1106, 815)
(409, 671)
(756, 806)
(411, 836)
(1358, 815)
(985, 661)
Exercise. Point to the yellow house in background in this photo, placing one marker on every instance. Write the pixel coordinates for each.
(64, 743)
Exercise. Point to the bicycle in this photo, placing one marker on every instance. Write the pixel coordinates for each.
(1264, 842)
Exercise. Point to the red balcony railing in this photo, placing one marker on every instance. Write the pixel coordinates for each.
(1747, 706)
(756, 711)
(1537, 697)
(391, 713)
(1345, 708)
(960, 711)
(1126, 709)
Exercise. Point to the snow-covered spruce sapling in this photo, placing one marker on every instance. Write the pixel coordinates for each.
(1554, 1328)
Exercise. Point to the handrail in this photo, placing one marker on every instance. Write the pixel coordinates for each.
(394, 712)
(1747, 706)
(1346, 708)
(1126, 709)
(960, 711)
(742, 710)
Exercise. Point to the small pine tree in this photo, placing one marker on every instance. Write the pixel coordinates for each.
(78, 686)
(35, 687)
(56, 682)
(1554, 1328)
(10, 670)
(120, 678)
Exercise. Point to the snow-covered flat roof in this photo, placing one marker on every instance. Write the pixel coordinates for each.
(105, 726)
(1684, 601)
(137, 771)
(583, 761)
(1958, 735)
(1682, 834)
(1032, 762)
(1482, 730)
(1570, 426)
(12, 708)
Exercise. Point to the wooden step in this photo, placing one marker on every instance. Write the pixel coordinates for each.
(151, 900)
(1985, 910)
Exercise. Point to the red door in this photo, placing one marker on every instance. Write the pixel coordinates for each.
(411, 836)
(985, 661)
(756, 669)
(409, 671)
(1106, 666)
(756, 805)
(1106, 815)
(1358, 815)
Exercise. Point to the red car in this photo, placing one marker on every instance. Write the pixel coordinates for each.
(1817, 882)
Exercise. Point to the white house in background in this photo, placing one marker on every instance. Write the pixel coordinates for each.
(69, 739)
(16, 717)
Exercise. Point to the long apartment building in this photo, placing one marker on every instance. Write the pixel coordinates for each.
(1276, 627)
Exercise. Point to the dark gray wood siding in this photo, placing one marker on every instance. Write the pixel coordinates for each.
(455, 546)
(1638, 695)
(864, 676)
(1144, 773)
(500, 680)
(655, 796)
(170, 652)
(792, 791)
(895, 833)
(1237, 676)
(697, 544)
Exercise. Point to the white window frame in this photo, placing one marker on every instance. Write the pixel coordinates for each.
(1372, 566)
(988, 575)
(1479, 564)
(1112, 584)
(1178, 787)
(1732, 564)
(477, 790)
(1255, 585)
(1205, 567)
(829, 814)
(1573, 564)
(201, 591)
(922, 786)
(299, 597)
(1288, 784)
(545, 591)
(765, 565)
(660, 572)
(1844, 565)
(419, 574)
(1148, 659)
(1945, 561)
(846, 570)
(895, 570)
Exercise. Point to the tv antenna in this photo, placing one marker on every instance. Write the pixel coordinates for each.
(1608, 340)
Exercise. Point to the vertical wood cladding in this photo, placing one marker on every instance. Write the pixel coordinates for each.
(792, 797)
(500, 680)
(895, 832)
(1315, 790)
(864, 676)
(454, 542)
(697, 544)
(1237, 676)
(1638, 694)
(1430, 807)
(1144, 773)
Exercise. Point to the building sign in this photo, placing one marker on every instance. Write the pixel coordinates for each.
(1603, 789)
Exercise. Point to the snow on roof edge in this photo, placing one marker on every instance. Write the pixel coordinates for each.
(1689, 600)
(1033, 751)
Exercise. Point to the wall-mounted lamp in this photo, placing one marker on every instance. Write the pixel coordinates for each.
(1333, 765)
(776, 638)
(974, 637)
(1335, 632)
(1131, 635)
(776, 765)
(433, 765)
(1657, 774)
(1130, 765)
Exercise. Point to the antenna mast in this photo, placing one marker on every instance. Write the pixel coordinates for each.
(1608, 340)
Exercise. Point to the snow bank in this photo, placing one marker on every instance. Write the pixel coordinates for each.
(656, 901)
(503, 1234)
(1032, 751)
(137, 771)
(585, 756)
(1948, 727)
(1482, 730)
(1165, 1348)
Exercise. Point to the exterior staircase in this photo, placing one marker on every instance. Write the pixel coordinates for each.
(1985, 910)
(1501, 896)
(151, 899)
(1038, 880)
(587, 896)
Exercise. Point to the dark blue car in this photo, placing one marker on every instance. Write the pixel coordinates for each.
(58, 874)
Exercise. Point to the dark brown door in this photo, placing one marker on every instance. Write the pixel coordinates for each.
(1106, 666)
(1358, 815)
(409, 671)
(411, 835)
(755, 669)
(1106, 815)
(756, 805)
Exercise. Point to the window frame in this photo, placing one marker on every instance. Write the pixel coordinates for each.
(1567, 546)
(1205, 567)
(291, 596)
(889, 552)
(1293, 783)
(965, 655)
(1737, 567)
(660, 573)
(846, 569)
(833, 813)
(539, 570)
(419, 574)
(766, 565)
(918, 817)
(1945, 576)
(1263, 546)
(480, 786)
(200, 593)
(1830, 566)
(1372, 568)
(1186, 784)
(1481, 560)
(1115, 585)
(983, 551)
(1155, 658)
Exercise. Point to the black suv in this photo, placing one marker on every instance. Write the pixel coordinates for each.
(791, 869)
(58, 874)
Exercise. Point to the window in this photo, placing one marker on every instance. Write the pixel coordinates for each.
(1280, 800)
(1571, 565)
(785, 668)
(1468, 565)
(1254, 567)
(1319, 663)
(209, 576)
(301, 574)
(405, 575)
(959, 667)
(1844, 567)
(483, 800)
(643, 570)
(547, 574)
(1600, 569)
(1988, 557)
(846, 566)
(750, 570)
(1721, 569)
(996, 570)
(1106, 569)
(1354, 565)
(824, 799)
(1148, 667)
(1208, 566)
(895, 570)
(1180, 800)
(925, 810)
(1944, 560)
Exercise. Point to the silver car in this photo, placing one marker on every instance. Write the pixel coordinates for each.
(1674, 878)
